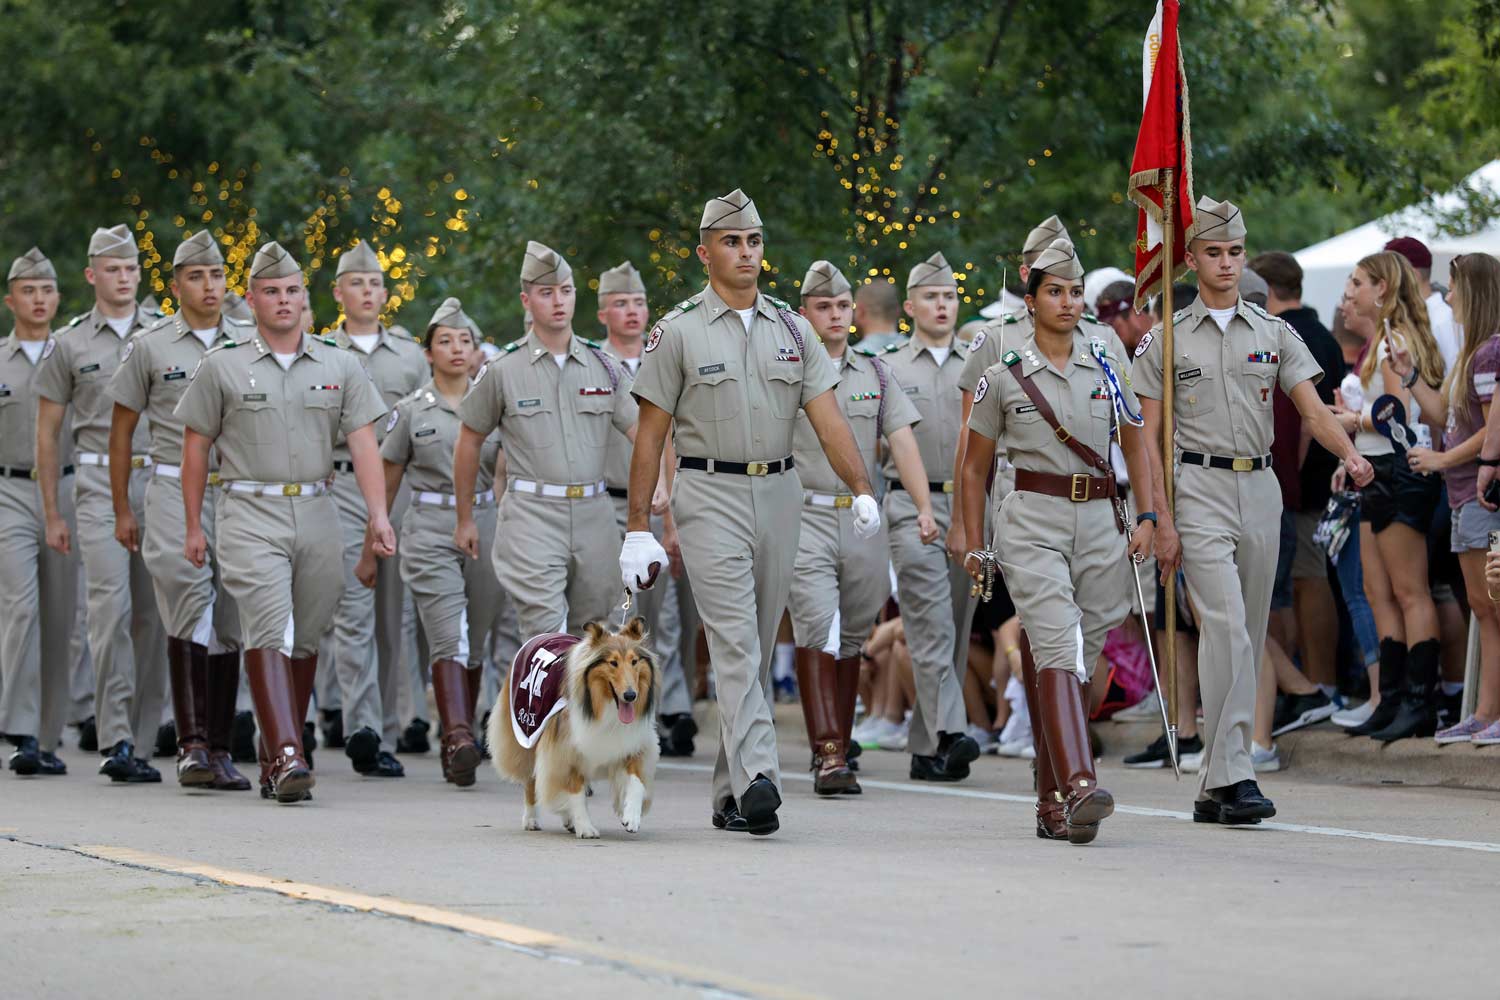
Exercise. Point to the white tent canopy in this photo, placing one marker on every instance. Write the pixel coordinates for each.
(1326, 265)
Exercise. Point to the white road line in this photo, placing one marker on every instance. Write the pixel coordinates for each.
(1027, 800)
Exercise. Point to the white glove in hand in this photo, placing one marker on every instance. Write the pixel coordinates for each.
(641, 559)
(866, 516)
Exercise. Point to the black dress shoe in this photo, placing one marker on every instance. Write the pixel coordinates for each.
(333, 729)
(142, 773)
(242, 739)
(386, 766)
(413, 738)
(956, 751)
(26, 759)
(1205, 811)
(362, 747)
(758, 805)
(51, 765)
(117, 765)
(88, 736)
(727, 817)
(1239, 804)
(166, 740)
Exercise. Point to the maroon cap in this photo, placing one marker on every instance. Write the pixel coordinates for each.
(1413, 250)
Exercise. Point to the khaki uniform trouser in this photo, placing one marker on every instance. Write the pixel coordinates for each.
(1066, 570)
(456, 597)
(188, 598)
(839, 574)
(663, 614)
(125, 631)
(80, 660)
(737, 536)
(1230, 523)
(559, 562)
(936, 610)
(280, 560)
(38, 596)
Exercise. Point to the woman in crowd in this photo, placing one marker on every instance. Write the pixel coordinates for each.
(1464, 402)
(1382, 294)
(456, 597)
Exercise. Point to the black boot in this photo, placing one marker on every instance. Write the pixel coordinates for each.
(1393, 658)
(1418, 712)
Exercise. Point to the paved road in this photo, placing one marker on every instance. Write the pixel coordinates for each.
(382, 889)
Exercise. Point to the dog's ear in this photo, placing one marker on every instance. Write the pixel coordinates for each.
(635, 629)
(594, 631)
(651, 675)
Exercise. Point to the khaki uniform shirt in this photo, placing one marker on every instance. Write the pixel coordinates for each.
(617, 466)
(1226, 380)
(934, 390)
(555, 423)
(420, 435)
(275, 426)
(990, 344)
(860, 397)
(18, 394)
(397, 366)
(154, 372)
(77, 369)
(734, 396)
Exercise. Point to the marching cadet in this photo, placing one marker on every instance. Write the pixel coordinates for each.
(933, 591)
(38, 592)
(732, 368)
(1230, 357)
(203, 657)
(1052, 401)
(555, 398)
(125, 631)
(274, 405)
(367, 643)
(838, 576)
(624, 314)
(457, 597)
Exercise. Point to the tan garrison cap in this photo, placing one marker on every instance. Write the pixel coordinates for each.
(272, 261)
(544, 266)
(1218, 221)
(734, 210)
(451, 313)
(198, 250)
(235, 307)
(1041, 238)
(32, 264)
(935, 270)
(621, 280)
(116, 241)
(1059, 260)
(359, 258)
(824, 279)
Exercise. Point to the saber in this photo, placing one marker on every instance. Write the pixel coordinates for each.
(1161, 702)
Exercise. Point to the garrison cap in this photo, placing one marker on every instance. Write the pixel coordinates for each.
(734, 210)
(197, 250)
(544, 266)
(1041, 238)
(451, 313)
(235, 307)
(623, 279)
(32, 264)
(116, 241)
(1218, 221)
(359, 258)
(824, 279)
(272, 261)
(1059, 260)
(935, 270)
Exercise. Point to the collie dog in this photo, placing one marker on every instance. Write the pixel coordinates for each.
(574, 710)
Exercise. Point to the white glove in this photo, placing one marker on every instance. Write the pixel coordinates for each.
(641, 559)
(866, 516)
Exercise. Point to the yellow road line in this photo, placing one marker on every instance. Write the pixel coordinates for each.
(528, 938)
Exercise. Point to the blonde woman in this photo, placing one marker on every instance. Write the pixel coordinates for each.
(1398, 504)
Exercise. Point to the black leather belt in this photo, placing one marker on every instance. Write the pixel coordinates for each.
(619, 492)
(1220, 462)
(343, 466)
(896, 484)
(736, 468)
(16, 472)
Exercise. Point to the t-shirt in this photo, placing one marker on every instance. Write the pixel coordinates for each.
(746, 315)
(940, 354)
(1466, 418)
(1443, 329)
(1223, 316)
(207, 336)
(33, 348)
(285, 360)
(1317, 469)
(365, 341)
(121, 326)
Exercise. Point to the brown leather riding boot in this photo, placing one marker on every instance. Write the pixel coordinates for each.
(270, 674)
(1050, 822)
(304, 680)
(1085, 804)
(817, 680)
(222, 672)
(847, 672)
(473, 681)
(185, 666)
(450, 690)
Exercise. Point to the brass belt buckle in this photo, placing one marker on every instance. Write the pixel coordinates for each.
(1243, 465)
(1078, 488)
(291, 490)
(575, 493)
(757, 469)
(948, 486)
(843, 501)
(34, 475)
(137, 462)
(214, 479)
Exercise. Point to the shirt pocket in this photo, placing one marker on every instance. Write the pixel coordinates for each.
(784, 387)
(1259, 384)
(257, 420)
(1197, 391)
(713, 391)
(323, 407)
(532, 421)
(1026, 429)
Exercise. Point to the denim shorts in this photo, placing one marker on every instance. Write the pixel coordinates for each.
(1472, 525)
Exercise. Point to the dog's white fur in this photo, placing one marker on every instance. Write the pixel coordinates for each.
(577, 747)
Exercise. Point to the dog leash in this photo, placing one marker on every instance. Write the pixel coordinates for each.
(625, 609)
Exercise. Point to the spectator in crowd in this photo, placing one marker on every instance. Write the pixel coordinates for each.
(1117, 308)
(1464, 402)
(1439, 313)
(1397, 506)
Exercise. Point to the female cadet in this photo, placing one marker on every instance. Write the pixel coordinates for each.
(456, 597)
(1055, 400)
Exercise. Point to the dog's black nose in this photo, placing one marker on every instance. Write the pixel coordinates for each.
(629, 696)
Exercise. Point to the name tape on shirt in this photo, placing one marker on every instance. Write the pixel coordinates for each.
(711, 369)
(1189, 373)
(254, 397)
(173, 374)
(88, 368)
(525, 404)
(425, 432)
(1026, 408)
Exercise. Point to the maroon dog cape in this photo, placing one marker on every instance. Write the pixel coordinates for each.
(537, 678)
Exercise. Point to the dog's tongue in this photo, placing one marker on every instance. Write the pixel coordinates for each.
(627, 712)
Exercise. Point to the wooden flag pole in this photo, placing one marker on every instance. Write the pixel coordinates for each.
(1169, 442)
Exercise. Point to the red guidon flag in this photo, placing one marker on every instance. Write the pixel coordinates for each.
(1163, 149)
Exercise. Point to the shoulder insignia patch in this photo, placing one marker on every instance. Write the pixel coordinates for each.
(479, 375)
(654, 339)
(390, 421)
(981, 389)
(978, 341)
(686, 305)
(512, 347)
(129, 349)
(1011, 358)
(1145, 343)
(47, 351)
